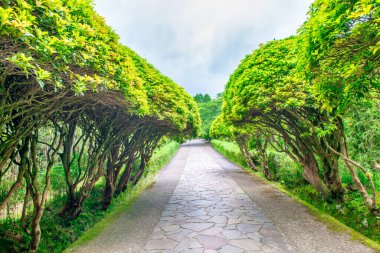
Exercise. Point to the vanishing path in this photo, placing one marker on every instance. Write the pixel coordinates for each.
(203, 203)
(208, 210)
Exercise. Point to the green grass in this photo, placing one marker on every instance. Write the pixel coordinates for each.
(58, 234)
(352, 212)
(231, 151)
(334, 224)
(351, 216)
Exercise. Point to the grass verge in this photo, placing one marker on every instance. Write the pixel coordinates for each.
(58, 234)
(347, 219)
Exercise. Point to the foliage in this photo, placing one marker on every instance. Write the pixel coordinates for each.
(352, 212)
(340, 44)
(209, 109)
(220, 129)
(314, 97)
(267, 98)
(200, 98)
(265, 81)
(363, 124)
(75, 101)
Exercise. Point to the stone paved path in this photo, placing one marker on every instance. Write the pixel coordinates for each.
(197, 205)
(209, 213)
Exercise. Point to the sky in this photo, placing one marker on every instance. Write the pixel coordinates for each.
(199, 43)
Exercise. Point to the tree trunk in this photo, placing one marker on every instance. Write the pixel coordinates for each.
(112, 174)
(303, 154)
(124, 179)
(36, 230)
(332, 177)
(74, 204)
(243, 145)
(330, 160)
(311, 174)
(23, 153)
(370, 203)
(34, 189)
(265, 169)
(71, 196)
(109, 190)
(141, 170)
(262, 148)
(351, 164)
(110, 187)
(73, 207)
(23, 213)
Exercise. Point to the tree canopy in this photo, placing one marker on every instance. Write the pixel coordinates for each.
(295, 94)
(200, 98)
(71, 90)
(339, 51)
(209, 109)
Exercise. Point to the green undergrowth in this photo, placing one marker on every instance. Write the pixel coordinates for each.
(58, 233)
(231, 151)
(352, 212)
(333, 222)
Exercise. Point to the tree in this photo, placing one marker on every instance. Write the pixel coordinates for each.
(200, 98)
(209, 109)
(340, 45)
(265, 91)
(71, 91)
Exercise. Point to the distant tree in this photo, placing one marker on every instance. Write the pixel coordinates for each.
(206, 98)
(198, 98)
(209, 110)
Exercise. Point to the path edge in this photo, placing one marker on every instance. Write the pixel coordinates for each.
(332, 223)
(111, 217)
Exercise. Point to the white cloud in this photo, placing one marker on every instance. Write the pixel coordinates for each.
(198, 43)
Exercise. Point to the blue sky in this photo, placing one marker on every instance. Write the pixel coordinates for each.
(199, 43)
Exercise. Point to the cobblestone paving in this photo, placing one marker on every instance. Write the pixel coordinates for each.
(209, 213)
